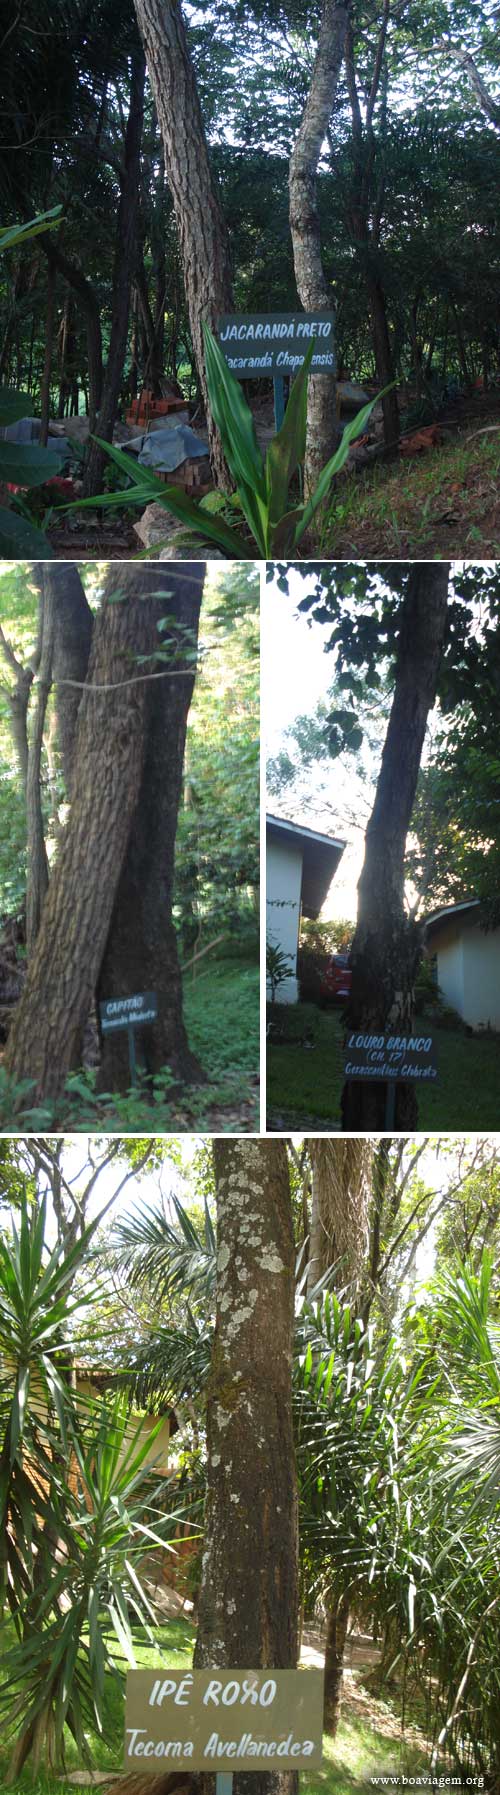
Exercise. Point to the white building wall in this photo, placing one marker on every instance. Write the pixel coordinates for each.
(449, 950)
(482, 977)
(283, 889)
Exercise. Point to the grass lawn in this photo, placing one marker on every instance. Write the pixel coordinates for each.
(305, 1080)
(368, 1739)
(221, 1010)
(432, 506)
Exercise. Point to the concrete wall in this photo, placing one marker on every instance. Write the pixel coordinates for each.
(482, 977)
(468, 970)
(283, 889)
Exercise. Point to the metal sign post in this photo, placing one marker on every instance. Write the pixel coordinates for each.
(129, 1013)
(279, 400)
(223, 1784)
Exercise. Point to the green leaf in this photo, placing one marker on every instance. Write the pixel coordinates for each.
(13, 234)
(14, 405)
(336, 463)
(234, 419)
(21, 541)
(287, 450)
(28, 466)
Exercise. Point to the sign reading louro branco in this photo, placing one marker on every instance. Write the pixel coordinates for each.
(255, 343)
(128, 1012)
(223, 1720)
(410, 1058)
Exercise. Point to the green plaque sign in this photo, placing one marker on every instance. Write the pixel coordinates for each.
(256, 343)
(409, 1058)
(223, 1720)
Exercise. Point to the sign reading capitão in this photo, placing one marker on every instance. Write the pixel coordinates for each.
(254, 343)
(128, 1012)
(223, 1719)
(393, 1057)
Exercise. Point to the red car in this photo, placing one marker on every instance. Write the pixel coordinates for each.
(335, 981)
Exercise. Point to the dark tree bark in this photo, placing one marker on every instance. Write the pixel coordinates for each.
(386, 944)
(124, 263)
(336, 1635)
(47, 366)
(72, 638)
(45, 1038)
(203, 240)
(366, 211)
(312, 287)
(91, 308)
(248, 1602)
(37, 864)
(141, 951)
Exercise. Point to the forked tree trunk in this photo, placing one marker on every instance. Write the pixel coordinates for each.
(199, 219)
(45, 1038)
(386, 945)
(249, 1593)
(141, 951)
(312, 288)
(336, 1635)
(125, 256)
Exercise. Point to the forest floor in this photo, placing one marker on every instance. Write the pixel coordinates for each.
(222, 1015)
(444, 503)
(369, 1740)
(305, 1076)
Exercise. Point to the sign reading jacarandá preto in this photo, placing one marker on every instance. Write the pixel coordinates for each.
(256, 343)
(223, 1719)
(390, 1056)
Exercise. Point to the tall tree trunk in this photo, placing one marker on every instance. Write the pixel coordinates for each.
(36, 854)
(73, 622)
(17, 697)
(141, 951)
(249, 1593)
(109, 750)
(47, 365)
(125, 255)
(384, 363)
(203, 240)
(386, 944)
(92, 311)
(341, 1188)
(336, 1635)
(312, 287)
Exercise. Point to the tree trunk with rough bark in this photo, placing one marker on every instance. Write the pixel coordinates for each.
(124, 262)
(36, 854)
(386, 945)
(249, 1593)
(341, 1188)
(336, 1635)
(73, 623)
(201, 227)
(109, 750)
(312, 288)
(141, 952)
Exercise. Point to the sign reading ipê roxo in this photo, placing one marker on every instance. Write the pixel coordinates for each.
(256, 343)
(390, 1056)
(223, 1719)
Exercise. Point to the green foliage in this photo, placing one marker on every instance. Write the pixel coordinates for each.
(278, 968)
(79, 1505)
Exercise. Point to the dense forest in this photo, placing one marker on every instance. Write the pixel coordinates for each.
(150, 1343)
(142, 685)
(253, 157)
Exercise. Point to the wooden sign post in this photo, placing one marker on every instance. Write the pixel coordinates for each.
(129, 1013)
(257, 343)
(393, 1059)
(223, 1721)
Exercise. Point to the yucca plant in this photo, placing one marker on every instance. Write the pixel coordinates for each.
(80, 1506)
(262, 487)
